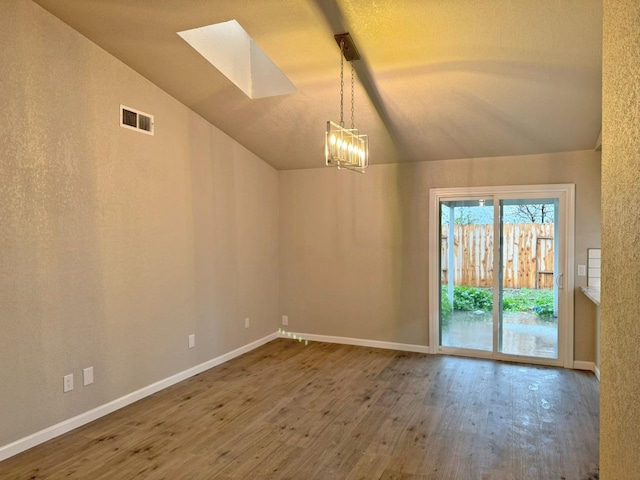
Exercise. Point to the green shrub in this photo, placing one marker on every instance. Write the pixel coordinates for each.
(470, 299)
(510, 305)
(445, 308)
(518, 300)
(544, 305)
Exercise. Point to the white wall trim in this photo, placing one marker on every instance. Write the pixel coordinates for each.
(358, 342)
(569, 234)
(434, 271)
(405, 347)
(589, 366)
(65, 426)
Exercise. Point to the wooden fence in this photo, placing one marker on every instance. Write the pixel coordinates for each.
(527, 262)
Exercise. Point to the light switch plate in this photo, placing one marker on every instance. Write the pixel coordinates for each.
(582, 270)
(87, 376)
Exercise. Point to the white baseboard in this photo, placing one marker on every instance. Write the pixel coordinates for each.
(405, 347)
(42, 436)
(65, 426)
(577, 365)
(589, 366)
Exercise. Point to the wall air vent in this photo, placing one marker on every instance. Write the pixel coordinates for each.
(136, 120)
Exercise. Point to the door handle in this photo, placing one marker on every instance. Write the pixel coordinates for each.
(559, 280)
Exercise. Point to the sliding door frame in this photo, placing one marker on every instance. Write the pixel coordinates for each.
(566, 229)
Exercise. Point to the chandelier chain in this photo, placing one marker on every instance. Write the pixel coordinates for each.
(342, 83)
(352, 97)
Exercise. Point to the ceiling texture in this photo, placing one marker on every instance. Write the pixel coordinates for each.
(438, 79)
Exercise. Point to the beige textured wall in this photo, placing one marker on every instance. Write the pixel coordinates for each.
(353, 248)
(115, 245)
(620, 320)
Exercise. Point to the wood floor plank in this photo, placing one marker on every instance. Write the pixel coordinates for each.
(326, 411)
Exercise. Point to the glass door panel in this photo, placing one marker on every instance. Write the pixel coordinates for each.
(528, 292)
(466, 274)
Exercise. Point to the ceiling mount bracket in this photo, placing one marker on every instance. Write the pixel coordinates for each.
(349, 51)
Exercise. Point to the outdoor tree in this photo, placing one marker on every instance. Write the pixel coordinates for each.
(534, 213)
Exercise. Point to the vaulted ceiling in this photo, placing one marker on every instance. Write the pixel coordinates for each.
(438, 79)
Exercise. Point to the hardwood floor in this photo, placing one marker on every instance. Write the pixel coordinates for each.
(326, 411)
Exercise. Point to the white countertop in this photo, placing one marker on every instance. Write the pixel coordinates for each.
(593, 293)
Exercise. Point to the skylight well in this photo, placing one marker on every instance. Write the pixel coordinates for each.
(229, 48)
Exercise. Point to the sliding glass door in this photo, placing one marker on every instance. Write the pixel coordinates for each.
(528, 286)
(497, 277)
(466, 259)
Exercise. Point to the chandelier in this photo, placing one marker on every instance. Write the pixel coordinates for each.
(346, 147)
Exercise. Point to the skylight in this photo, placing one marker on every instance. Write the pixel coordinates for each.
(229, 48)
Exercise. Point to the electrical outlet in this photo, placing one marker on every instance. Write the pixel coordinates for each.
(192, 340)
(582, 270)
(67, 385)
(285, 320)
(246, 322)
(87, 376)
